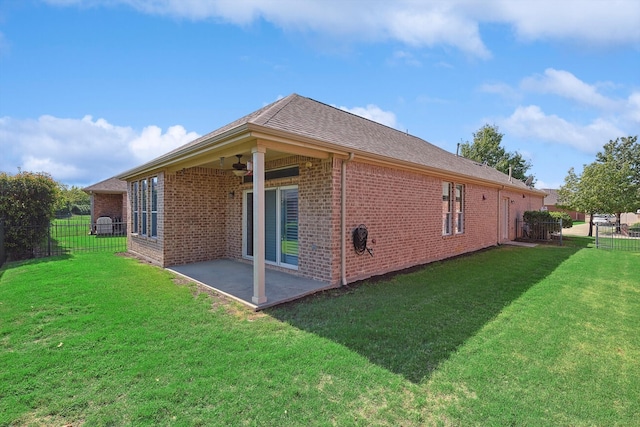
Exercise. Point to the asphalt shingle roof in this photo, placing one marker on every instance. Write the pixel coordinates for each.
(111, 185)
(306, 117)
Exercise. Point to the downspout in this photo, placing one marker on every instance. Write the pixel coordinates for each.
(499, 225)
(343, 219)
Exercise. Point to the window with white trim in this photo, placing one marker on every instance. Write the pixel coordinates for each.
(459, 207)
(446, 209)
(144, 207)
(134, 206)
(154, 206)
(452, 202)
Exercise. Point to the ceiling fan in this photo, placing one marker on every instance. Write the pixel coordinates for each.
(239, 168)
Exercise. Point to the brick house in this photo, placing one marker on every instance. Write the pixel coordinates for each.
(109, 198)
(286, 186)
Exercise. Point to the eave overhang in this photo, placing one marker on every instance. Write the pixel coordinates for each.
(243, 138)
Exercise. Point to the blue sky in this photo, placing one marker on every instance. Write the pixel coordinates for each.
(90, 88)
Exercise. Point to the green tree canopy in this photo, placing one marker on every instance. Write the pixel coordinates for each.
(70, 196)
(26, 206)
(611, 184)
(487, 148)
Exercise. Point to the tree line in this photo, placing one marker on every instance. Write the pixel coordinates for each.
(609, 185)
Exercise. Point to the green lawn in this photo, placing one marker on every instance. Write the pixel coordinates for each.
(73, 234)
(509, 336)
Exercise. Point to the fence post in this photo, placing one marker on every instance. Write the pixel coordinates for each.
(597, 237)
(560, 231)
(49, 239)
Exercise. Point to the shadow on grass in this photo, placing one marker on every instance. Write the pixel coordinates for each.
(32, 261)
(412, 322)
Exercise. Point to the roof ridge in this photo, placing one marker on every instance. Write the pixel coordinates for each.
(266, 116)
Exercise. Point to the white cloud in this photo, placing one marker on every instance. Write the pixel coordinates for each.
(610, 22)
(532, 123)
(453, 23)
(375, 113)
(152, 142)
(81, 151)
(404, 57)
(565, 84)
(633, 107)
(501, 89)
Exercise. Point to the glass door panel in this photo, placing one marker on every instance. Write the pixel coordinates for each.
(289, 226)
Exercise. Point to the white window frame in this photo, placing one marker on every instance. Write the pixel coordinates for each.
(459, 208)
(135, 202)
(153, 187)
(447, 217)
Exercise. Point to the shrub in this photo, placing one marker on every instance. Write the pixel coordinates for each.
(539, 224)
(635, 227)
(567, 222)
(26, 205)
(81, 209)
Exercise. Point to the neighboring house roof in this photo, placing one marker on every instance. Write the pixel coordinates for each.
(108, 186)
(298, 117)
(551, 199)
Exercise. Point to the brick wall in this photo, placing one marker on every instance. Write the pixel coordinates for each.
(318, 209)
(110, 205)
(201, 214)
(195, 215)
(403, 214)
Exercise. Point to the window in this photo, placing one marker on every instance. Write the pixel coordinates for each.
(459, 202)
(446, 208)
(452, 202)
(134, 205)
(143, 207)
(154, 206)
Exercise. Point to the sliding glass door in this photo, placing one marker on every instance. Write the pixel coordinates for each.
(281, 225)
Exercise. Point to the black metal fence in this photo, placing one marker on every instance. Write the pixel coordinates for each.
(2, 251)
(539, 231)
(62, 236)
(614, 237)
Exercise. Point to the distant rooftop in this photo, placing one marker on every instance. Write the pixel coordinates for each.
(108, 186)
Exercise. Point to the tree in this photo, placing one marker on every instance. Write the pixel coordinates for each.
(579, 194)
(71, 198)
(608, 185)
(487, 148)
(623, 155)
(26, 206)
(625, 150)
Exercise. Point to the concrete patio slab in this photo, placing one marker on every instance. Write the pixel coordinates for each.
(235, 280)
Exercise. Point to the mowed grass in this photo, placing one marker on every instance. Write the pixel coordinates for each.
(73, 234)
(508, 336)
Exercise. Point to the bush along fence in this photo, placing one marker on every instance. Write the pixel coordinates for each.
(618, 237)
(540, 226)
(60, 237)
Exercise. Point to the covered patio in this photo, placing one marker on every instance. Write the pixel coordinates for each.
(235, 280)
